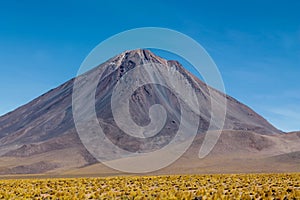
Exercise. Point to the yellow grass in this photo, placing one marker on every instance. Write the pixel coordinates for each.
(242, 186)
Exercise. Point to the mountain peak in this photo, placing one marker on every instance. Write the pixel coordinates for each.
(142, 53)
(128, 60)
(139, 56)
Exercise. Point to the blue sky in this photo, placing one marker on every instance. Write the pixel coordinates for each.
(255, 44)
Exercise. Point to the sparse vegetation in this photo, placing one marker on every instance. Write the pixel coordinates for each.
(243, 186)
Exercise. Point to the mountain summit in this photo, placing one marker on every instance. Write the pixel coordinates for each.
(40, 137)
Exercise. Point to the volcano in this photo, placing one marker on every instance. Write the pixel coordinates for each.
(41, 137)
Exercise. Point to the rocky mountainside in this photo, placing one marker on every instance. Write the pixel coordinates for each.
(40, 137)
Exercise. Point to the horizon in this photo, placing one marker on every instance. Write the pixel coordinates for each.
(257, 55)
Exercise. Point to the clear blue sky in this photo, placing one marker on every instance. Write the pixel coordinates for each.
(256, 45)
